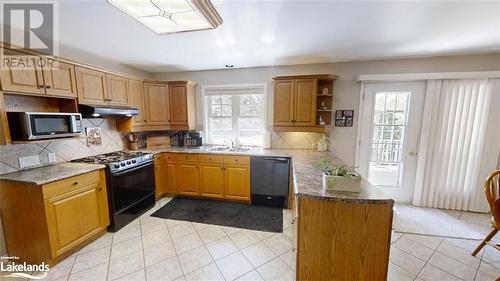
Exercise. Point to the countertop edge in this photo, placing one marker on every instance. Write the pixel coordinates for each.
(90, 168)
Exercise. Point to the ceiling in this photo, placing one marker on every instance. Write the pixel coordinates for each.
(266, 33)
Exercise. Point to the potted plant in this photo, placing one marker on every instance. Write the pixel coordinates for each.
(339, 177)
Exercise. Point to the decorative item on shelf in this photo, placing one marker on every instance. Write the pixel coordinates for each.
(339, 177)
(344, 118)
(133, 143)
(323, 105)
(93, 136)
(325, 91)
(321, 120)
(323, 143)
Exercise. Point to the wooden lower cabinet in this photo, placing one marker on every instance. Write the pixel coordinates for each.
(49, 222)
(208, 175)
(343, 240)
(160, 176)
(212, 180)
(171, 176)
(237, 182)
(188, 178)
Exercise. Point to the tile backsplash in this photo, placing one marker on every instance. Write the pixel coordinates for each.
(65, 149)
(295, 140)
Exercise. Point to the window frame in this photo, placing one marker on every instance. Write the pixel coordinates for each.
(235, 108)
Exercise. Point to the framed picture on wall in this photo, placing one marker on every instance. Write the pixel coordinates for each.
(344, 118)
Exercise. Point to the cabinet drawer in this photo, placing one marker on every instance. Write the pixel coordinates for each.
(233, 159)
(66, 185)
(210, 158)
(169, 157)
(187, 157)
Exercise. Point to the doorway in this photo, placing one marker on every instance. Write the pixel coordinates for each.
(389, 134)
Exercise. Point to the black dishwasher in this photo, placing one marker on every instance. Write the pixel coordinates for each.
(270, 180)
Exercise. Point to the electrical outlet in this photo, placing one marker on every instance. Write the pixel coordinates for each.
(51, 157)
(29, 161)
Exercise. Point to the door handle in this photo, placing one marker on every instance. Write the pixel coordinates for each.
(412, 153)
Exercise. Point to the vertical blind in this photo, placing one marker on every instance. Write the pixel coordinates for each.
(459, 144)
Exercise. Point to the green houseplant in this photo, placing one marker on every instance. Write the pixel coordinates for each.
(339, 177)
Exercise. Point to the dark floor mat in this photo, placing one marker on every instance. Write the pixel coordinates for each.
(238, 215)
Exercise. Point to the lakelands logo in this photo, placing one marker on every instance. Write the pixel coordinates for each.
(18, 270)
(28, 26)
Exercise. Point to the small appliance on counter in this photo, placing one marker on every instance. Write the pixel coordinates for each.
(184, 138)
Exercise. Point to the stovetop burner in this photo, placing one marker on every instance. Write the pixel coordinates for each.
(119, 160)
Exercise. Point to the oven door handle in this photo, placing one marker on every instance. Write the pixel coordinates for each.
(133, 169)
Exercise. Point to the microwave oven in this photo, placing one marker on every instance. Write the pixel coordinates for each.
(25, 126)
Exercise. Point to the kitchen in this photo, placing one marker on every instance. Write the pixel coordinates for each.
(112, 172)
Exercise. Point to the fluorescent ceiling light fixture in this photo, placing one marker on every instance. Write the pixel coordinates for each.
(171, 16)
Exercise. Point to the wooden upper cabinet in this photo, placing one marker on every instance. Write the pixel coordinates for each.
(136, 100)
(60, 80)
(305, 102)
(296, 100)
(157, 104)
(91, 86)
(25, 80)
(178, 105)
(118, 90)
(284, 93)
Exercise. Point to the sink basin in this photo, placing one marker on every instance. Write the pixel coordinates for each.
(220, 148)
(239, 149)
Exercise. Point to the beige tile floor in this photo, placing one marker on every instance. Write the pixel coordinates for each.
(158, 249)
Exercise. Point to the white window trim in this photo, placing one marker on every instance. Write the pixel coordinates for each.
(206, 88)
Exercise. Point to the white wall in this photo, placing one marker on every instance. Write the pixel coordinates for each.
(346, 88)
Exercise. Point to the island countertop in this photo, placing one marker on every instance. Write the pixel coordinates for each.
(52, 173)
(307, 180)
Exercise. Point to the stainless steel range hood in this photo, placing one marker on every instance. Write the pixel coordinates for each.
(90, 111)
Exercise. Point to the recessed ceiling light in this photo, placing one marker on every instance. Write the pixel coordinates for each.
(229, 65)
(170, 16)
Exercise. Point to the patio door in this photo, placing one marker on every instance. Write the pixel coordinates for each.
(389, 132)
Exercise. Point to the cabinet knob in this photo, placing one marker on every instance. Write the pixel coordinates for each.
(47, 87)
(75, 183)
(100, 188)
(41, 86)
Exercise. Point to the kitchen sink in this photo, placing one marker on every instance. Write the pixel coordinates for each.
(220, 148)
(239, 149)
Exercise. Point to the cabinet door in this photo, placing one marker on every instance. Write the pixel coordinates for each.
(171, 176)
(75, 216)
(91, 86)
(283, 102)
(305, 102)
(237, 182)
(118, 92)
(157, 109)
(18, 79)
(136, 100)
(211, 180)
(178, 105)
(188, 178)
(60, 80)
(159, 176)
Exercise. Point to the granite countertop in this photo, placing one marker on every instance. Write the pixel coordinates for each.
(307, 179)
(52, 173)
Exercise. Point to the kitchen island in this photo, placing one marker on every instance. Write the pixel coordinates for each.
(338, 235)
